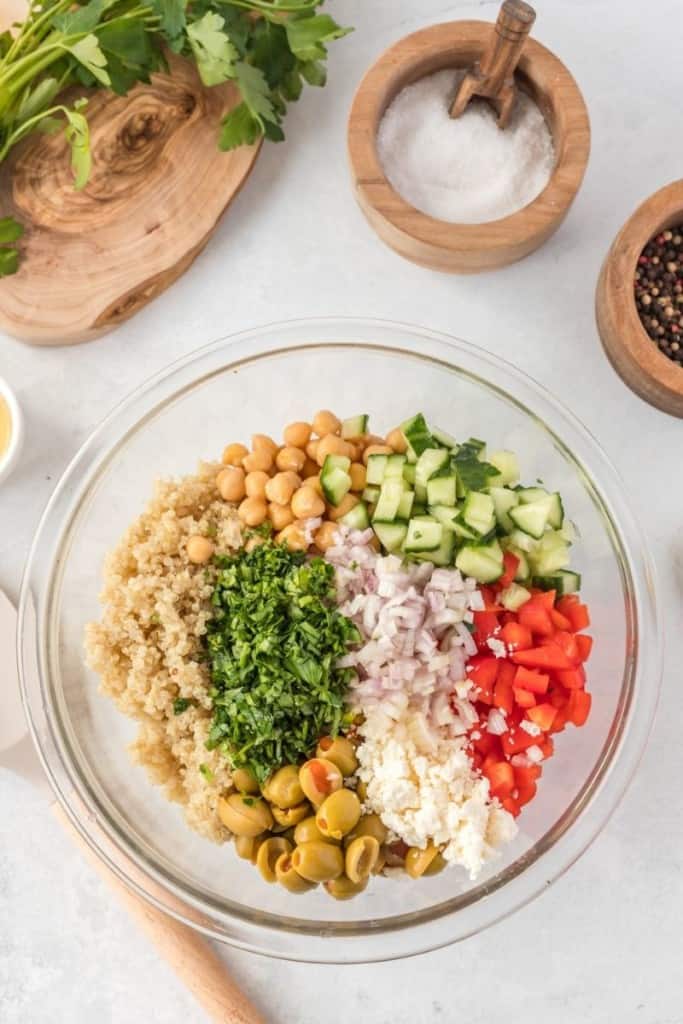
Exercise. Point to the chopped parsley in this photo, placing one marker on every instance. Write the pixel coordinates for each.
(273, 645)
(206, 772)
(181, 704)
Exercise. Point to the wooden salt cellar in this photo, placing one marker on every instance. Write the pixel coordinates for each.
(636, 358)
(467, 248)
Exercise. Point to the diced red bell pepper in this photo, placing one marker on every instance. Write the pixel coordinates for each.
(523, 698)
(515, 636)
(526, 793)
(536, 618)
(560, 719)
(567, 641)
(550, 656)
(487, 744)
(578, 706)
(558, 620)
(485, 625)
(544, 598)
(511, 806)
(527, 679)
(546, 746)
(490, 600)
(543, 715)
(572, 678)
(585, 645)
(517, 740)
(576, 612)
(501, 778)
(503, 696)
(482, 669)
(527, 774)
(510, 567)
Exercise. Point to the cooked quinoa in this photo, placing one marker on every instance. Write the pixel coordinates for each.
(147, 648)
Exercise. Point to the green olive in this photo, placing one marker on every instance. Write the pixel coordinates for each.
(437, 865)
(319, 777)
(338, 814)
(418, 861)
(245, 815)
(291, 815)
(362, 791)
(287, 876)
(246, 847)
(245, 781)
(381, 861)
(307, 831)
(339, 751)
(283, 787)
(343, 888)
(369, 825)
(318, 861)
(361, 856)
(268, 853)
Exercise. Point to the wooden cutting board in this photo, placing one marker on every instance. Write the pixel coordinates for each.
(158, 187)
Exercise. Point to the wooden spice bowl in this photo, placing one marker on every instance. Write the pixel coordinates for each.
(466, 248)
(632, 353)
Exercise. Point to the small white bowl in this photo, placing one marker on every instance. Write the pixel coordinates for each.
(9, 458)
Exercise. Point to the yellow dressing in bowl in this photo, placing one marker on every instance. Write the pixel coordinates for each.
(5, 427)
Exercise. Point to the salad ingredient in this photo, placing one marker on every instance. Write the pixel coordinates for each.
(338, 814)
(290, 816)
(245, 781)
(283, 787)
(10, 231)
(369, 825)
(245, 815)
(423, 862)
(465, 170)
(339, 751)
(344, 889)
(289, 878)
(319, 778)
(658, 287)
(199, 549)
(273, 645)
(361, 857)
(247, 847)
(318, 861)
(307, 831)
(325, 422)
(269, 853)
(232, 483)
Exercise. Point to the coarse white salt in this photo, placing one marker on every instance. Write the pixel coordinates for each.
(464, 170)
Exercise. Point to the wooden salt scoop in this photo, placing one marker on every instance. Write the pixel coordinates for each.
(493, 76)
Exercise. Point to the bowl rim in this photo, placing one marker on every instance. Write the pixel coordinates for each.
(10, 458)
(371, 940)
(636, 358)
(532, 223)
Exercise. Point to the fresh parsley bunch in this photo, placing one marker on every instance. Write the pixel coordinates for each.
(273, 645)
(268, 48)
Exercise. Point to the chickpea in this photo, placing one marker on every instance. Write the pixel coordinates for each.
(330, 444)
(233, 454)
(348, 502)
(325, 422)
(255, 484)
(230, 482)
(396, 440)
(260, 459)
(293, 537)
(311, 468)
(252, 511)
(315, 483)
(306, 503)
(297, 434)
(280, 516)
(290, 459)
(372, 449)
(312, 450)
(358, 475)
(263, 443)
(281, 488)
(199, 549)
(325, 537)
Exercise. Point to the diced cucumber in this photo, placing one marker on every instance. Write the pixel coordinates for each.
(424, 534)
(416, 433)
(568, 531)
(431, 462)
(549, 560)
(411, 455)
(532, 518)
(376, 468)
(514, 596)
(444, 439)
(354, 426)
(523, 541)
(523, 570)
(371, 494)
(334, 478)
(564, 582)
(444, 514)
(531, 495)
(394, 467)
(391, 535)
(503, 501)
(419, 508)
(405, 505)
(527, 495)
(507, 465)
(389, 499)
(356, 518)
(483, 562)
(441, 490)
(409, 473)
(443, 555)
(556, 517)
(478, 512)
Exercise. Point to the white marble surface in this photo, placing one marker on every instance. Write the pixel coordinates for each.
(604, 943)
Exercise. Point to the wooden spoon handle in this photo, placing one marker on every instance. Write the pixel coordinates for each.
(500, 58)
(191, 957)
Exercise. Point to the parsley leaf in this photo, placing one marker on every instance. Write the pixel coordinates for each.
(308, 35)
(88, 53)
(80, 19)
(10, 230)
(273, 645)
(181, 704)
(255, 92)
(239, 128)
(214, 53)
(9, 262)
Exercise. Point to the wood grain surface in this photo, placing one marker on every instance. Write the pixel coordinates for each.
(632, 353)
(466, 248)
(158, 188)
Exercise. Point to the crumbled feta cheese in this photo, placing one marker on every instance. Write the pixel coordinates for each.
(497, 646)
(530, 727)
(534, 754)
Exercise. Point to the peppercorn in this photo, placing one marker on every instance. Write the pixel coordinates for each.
(658, 291)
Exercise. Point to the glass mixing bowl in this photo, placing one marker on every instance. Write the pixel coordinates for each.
(257, 382)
